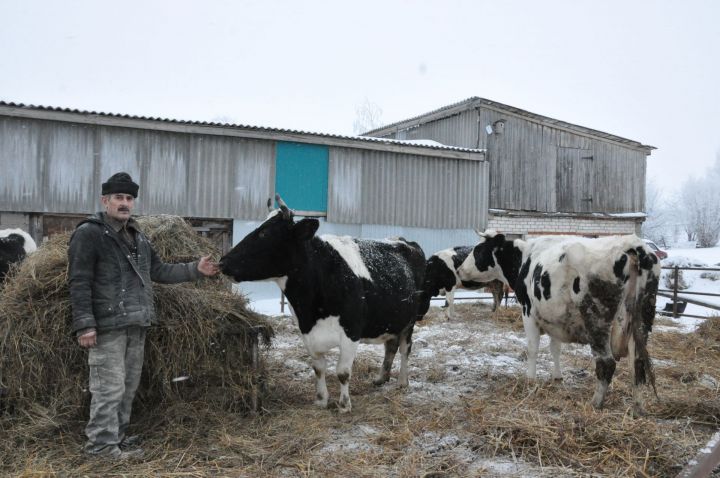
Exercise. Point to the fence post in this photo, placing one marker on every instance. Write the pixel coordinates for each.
(675, 291)
(282, 303)
(255, 360)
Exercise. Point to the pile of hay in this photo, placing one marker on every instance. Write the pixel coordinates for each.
(205, 333)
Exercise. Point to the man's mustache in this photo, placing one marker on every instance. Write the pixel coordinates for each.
(123, 209)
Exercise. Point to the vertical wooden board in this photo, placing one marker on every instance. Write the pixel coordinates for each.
(69, 169)
(549, 146)
(344, 185)
(20, 161)
(165, 165)
(254, 179)
(565, 174)
(210, 176)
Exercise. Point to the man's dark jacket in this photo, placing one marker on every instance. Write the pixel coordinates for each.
(109, 289)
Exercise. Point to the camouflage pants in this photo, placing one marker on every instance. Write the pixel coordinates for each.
(115, 367)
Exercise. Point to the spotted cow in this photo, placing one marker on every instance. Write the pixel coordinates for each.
(441, 278)
(15, 244)
(343, 291)
(599, 292)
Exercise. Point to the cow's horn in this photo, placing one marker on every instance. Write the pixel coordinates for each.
(479, 233)
(283, 207)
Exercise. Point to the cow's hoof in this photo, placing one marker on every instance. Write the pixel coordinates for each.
(403, 383)
(344, 405)
(321, 402)
(380, 381)
(638, 411)
(557, 379)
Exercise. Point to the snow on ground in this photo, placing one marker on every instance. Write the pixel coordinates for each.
(697, 281)
(452, 360)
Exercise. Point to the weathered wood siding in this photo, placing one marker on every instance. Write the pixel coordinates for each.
(531, 166)
(57, 167)
(454, 130)
(371, 187)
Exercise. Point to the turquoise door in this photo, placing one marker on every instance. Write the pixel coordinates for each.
(301, 175)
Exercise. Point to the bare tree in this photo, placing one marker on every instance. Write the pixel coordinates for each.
(657, 225)
(367, 117)
(701, 203)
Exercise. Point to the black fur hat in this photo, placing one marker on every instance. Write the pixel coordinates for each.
(120, 183)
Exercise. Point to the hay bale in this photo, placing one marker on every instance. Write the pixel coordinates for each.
(205, 332)
(710, 329)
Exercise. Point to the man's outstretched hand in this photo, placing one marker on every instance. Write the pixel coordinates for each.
(207, 267)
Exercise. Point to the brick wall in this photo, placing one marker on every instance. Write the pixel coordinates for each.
(538, 225)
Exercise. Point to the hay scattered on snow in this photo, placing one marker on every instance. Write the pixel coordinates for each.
(204, 333)
(391, 432)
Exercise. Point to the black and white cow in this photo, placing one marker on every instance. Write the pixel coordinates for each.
(441, 278)
(343, 291)
(599, 292)
(15, 244)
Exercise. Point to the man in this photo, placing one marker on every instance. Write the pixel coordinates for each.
(111, 269)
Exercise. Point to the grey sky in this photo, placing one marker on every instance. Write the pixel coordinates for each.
(645, 70)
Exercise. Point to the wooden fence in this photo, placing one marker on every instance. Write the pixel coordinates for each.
(682, 297)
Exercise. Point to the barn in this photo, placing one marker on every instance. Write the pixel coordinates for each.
(219, 176)
(546, 176)
(465, 413)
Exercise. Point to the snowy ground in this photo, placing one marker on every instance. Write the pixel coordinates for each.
(451, 361)
(697, 281)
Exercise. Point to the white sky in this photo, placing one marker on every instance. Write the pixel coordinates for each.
(644, 70)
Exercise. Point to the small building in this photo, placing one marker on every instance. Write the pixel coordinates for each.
(220, 176)
(546, 176)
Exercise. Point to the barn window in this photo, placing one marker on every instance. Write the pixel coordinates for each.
(301, 177)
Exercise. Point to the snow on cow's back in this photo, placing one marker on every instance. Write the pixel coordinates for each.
(29, 246)
(387, 263)
(349, 250)
(389, 260)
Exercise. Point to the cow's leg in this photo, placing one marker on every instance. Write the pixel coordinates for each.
(532, 333)
(450, 297)
(555, 346)
(635, 374)
(391, 348)
(497, 293)
(319, 365)
(348, 350)
(604, 370)
(405, 348)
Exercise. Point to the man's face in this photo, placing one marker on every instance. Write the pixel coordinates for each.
(118, 206)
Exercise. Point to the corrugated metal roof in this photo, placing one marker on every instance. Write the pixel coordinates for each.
(476, 101)
(234, 126)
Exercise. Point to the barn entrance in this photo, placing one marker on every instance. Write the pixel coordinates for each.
(574, 176)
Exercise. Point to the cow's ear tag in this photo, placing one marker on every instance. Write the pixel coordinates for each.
(305, 229)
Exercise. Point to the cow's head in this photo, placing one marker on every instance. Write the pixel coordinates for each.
(268, 251)
(19, 239)
(482, 264)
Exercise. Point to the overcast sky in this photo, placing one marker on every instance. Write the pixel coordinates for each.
(644, 70)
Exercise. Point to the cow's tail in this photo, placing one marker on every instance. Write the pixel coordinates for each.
(640, 303)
